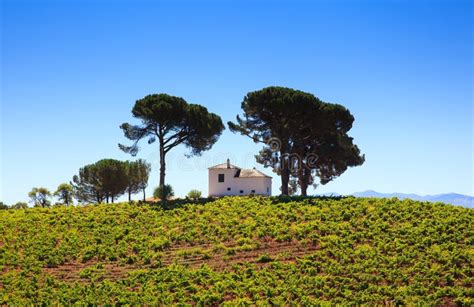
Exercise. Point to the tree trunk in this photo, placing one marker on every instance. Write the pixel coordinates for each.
(304, 188)
(144, 195)
(129, 195)
(284, 170)
(285, 178)
(303, 179)
(162, 166)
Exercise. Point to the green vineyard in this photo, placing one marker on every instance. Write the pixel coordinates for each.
(239, 251)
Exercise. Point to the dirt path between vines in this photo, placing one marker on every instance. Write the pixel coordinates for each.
(280, 251)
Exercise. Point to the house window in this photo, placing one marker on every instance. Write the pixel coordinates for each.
(253, 192)
(268, 190)
(228, 189)
(241, 191)
(221, 177)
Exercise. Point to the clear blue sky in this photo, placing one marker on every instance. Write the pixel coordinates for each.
(71, 72)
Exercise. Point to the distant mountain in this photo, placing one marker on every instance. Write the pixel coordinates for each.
(451, 198)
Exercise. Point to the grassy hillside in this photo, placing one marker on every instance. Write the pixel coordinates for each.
(239, 250)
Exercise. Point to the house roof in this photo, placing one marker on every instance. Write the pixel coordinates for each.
(240, 173)
(223, 165)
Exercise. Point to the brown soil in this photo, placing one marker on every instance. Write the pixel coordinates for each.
(280, 251)
(70, 272)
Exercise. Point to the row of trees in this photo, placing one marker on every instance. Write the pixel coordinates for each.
(18, 205)
(304, 138)
(65, 193)
(105, 180)
(108, 179)
(41, 197)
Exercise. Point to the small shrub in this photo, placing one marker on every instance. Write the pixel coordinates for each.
(264, 258)
(194, 194)
(164, 192)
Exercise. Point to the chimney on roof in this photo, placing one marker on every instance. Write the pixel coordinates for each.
(228, 163)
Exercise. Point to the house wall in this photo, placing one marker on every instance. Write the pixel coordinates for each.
(259, 184)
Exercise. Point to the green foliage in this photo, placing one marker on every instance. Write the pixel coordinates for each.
(194, 194)
(108, 179)
(171, 121)
(40, 197)
(163, 192)
(3, 206)
(305, 137)
(368, 251)
(137, 174)
(113, 177)
(64, 193)
(264, 258)
(88, 185)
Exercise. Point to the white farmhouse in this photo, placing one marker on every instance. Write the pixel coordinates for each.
(228, 179)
